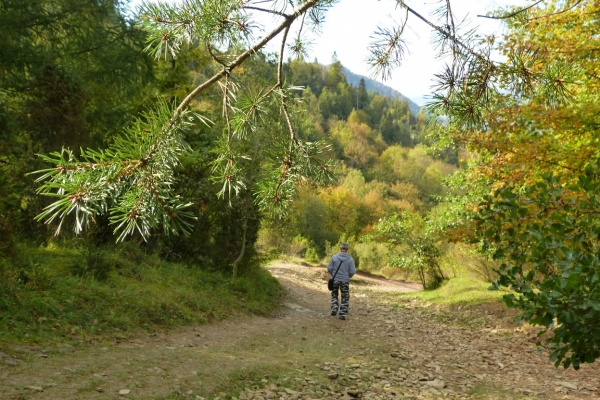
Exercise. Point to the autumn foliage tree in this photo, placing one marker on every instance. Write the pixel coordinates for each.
(542, 155)
(531, 124)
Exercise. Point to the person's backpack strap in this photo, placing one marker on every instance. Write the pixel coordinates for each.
(336, 271)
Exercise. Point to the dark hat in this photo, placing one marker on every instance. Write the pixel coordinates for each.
(344, 245)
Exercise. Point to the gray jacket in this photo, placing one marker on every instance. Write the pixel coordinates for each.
(346, 271)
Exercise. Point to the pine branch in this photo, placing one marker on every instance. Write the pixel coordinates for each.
(242, 57)
(132, 180)
(445, 33)
(214, 57)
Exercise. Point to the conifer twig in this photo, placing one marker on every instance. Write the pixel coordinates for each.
(242, 57)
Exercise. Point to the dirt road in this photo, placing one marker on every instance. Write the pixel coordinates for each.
(387, 349)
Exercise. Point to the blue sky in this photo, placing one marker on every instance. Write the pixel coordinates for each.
(349, 27)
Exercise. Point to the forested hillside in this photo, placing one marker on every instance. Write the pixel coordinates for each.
(378, 87)
(385, 169)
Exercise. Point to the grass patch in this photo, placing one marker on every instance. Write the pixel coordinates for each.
(459, 291)
(70, 294)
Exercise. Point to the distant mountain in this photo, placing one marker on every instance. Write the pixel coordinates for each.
(374, 86)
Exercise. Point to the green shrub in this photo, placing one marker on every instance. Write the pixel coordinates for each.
(139, 292)
(414, 248)
(464, 260)
(298, 246)
(311, 255)
(371, 256)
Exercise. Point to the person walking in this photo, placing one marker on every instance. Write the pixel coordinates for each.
(341, 268)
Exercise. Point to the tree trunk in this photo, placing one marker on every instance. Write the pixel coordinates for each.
(242, 251)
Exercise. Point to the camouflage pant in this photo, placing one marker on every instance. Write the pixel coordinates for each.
(344, 287)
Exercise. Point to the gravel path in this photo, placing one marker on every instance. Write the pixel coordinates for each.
(387, 349)
(424, 352)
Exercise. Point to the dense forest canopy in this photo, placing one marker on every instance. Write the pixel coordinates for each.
(231, 148)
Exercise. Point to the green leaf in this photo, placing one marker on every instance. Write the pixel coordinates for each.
(594, 304)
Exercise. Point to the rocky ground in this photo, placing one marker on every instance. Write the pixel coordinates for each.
(388, 348)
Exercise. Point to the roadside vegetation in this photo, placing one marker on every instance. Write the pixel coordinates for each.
(77, 295)
(459, 291)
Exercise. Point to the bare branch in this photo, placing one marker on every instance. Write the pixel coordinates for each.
(301, 26)
(266, 10)
(558, 12)
(531, 6)
(450, 18)
(280, 62)
(214, 57)
(279, 85)
(513, 13)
